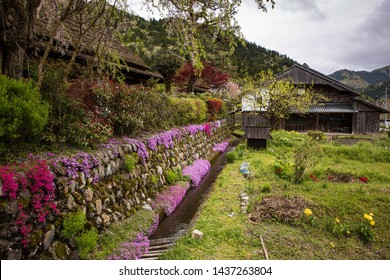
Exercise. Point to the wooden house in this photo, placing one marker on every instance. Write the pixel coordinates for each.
(344, 111)
(133, 68)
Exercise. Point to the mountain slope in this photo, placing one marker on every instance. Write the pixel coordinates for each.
(371, 83)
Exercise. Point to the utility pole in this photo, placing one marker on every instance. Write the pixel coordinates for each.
(386, 107)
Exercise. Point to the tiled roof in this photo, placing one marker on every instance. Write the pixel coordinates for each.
(332, 108)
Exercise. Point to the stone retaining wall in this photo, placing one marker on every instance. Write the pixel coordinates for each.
(99, 185)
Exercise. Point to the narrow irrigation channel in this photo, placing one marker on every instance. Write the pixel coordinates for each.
(173, 226)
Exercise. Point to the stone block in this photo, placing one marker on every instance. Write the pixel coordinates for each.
(197, 234)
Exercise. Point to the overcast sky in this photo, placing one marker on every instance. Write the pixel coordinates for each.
(328, 35)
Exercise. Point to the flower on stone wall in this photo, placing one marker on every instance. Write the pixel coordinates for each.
(197, 171)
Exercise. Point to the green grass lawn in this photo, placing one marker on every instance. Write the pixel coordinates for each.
(335, 192)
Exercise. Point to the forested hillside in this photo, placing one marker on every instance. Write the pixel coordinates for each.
(148, 38)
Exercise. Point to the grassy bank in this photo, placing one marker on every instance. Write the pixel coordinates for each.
(345, 183)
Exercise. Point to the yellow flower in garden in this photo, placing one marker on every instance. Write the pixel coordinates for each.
(332, 244)
(367, 217)
(308, 212)
(337, 220)
(348, 232)
(371, 214)
(372, 223)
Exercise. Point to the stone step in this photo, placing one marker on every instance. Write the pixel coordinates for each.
(159, 247)
(149, 258)
(163, 241)
(155, 252)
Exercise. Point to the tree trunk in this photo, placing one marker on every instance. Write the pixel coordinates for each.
(168, 85)
(45, 55)
(73, 58)
(191, 83)
(17, 20)
(13, 62)
(274, 123)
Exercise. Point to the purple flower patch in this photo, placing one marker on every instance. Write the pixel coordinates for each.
(165, 139)
(133, 250)
(221, 147)
(141, 148)
(170, 199)
(197, 171)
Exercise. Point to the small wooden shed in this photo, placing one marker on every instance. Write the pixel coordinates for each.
(257, 131)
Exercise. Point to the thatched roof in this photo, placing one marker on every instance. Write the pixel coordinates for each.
(130, 63)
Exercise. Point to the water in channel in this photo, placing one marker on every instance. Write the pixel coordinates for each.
(174, 224)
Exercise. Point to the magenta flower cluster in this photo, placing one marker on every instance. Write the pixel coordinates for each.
(81, 162)
(197, 171)
(165, 139)
(221, 147)
(133, 250)
(42, 189)
(168, 200)
(194, 129)
(37, 178)
(154, 226)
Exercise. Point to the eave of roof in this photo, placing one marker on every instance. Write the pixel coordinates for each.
(332, 108)
(380, 109)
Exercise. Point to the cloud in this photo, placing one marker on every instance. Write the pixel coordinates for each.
(370, 41)
(309, 7)
(377, 25)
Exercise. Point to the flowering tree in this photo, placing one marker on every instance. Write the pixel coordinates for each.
(275, 98)
(188, 19)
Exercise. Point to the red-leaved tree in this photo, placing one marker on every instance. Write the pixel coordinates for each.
(210, 77)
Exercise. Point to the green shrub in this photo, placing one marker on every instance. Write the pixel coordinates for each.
(175, 175)
(130, 162)
(266, 188)
(231, 156)
(86, 242)
(179, 174)
(73, 223)
(23, 115)
(282, 167)
(153, 179)
(171, 177)
(86, 132)
(189, 110)
(306, 156)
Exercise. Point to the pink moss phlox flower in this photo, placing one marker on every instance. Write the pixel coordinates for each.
(132, 250)
(165, 139)
(197, 171)
(80, 162)
(208, 129)
(154, 226)
(221, 147)
(9, 181)
(170, 199)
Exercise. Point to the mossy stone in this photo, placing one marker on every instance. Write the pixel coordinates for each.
(78, 198)
(60, 250)
(36, 237)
